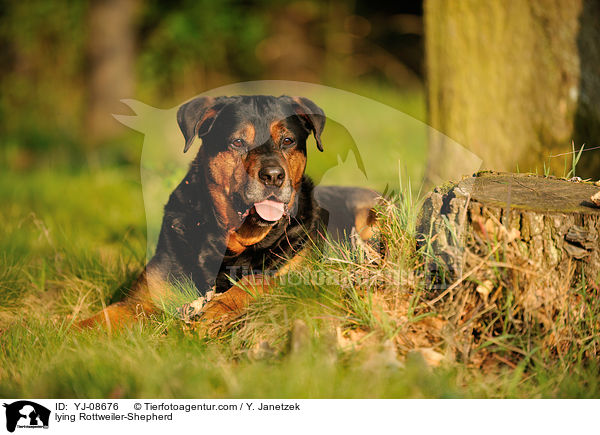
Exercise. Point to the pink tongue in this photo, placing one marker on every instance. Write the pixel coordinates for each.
(269, 210)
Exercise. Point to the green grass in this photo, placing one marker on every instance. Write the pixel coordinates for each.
(145, 363)
(71, 240)
(68, 238)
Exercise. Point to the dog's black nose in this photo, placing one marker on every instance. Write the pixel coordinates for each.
(272, 175)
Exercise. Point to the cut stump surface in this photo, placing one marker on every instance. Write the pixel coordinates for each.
(535, 237)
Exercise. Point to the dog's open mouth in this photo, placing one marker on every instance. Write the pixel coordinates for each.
(265, 212)
(270, 210)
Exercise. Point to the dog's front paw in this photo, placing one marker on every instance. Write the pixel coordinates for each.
(224, 306)
(212, 314)
(191, 312)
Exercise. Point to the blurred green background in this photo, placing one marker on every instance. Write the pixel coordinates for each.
(514, 84)
(65, 66)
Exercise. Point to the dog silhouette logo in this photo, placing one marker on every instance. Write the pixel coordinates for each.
(26, 414)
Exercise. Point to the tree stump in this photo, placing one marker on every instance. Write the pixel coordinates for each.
(522, 240)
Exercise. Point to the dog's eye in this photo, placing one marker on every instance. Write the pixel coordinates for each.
(237, 143)
(288, 142)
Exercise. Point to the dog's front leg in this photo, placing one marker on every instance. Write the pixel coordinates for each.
(139, 303)
(234, 301)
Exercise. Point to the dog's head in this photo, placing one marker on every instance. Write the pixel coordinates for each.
(254, 152)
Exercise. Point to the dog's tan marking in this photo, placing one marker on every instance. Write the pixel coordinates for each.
(364, 222)
(234, 301)
(145, 296)
(279, 131)
(225, 174)
(246, 235)
(295, 263)
(247, 132)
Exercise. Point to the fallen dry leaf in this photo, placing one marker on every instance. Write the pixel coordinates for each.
(485, 288)
(430, 356)
(596, 198)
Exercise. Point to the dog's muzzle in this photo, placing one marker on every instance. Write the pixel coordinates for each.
(269, 202)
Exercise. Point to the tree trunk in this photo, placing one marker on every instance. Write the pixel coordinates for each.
(536, 237)
(514, 82)
(111, 68)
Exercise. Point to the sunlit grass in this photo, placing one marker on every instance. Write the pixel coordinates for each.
(65, 254)
(73, 239)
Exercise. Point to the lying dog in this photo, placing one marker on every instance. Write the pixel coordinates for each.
(244, 205)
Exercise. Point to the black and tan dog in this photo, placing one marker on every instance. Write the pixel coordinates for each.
(244, 205)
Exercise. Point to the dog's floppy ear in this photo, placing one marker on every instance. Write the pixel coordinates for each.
(312, 115)
(196, 117)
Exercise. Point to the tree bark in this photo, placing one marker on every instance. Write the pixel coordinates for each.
(535, 237)
(514, 82)
(111, 65)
